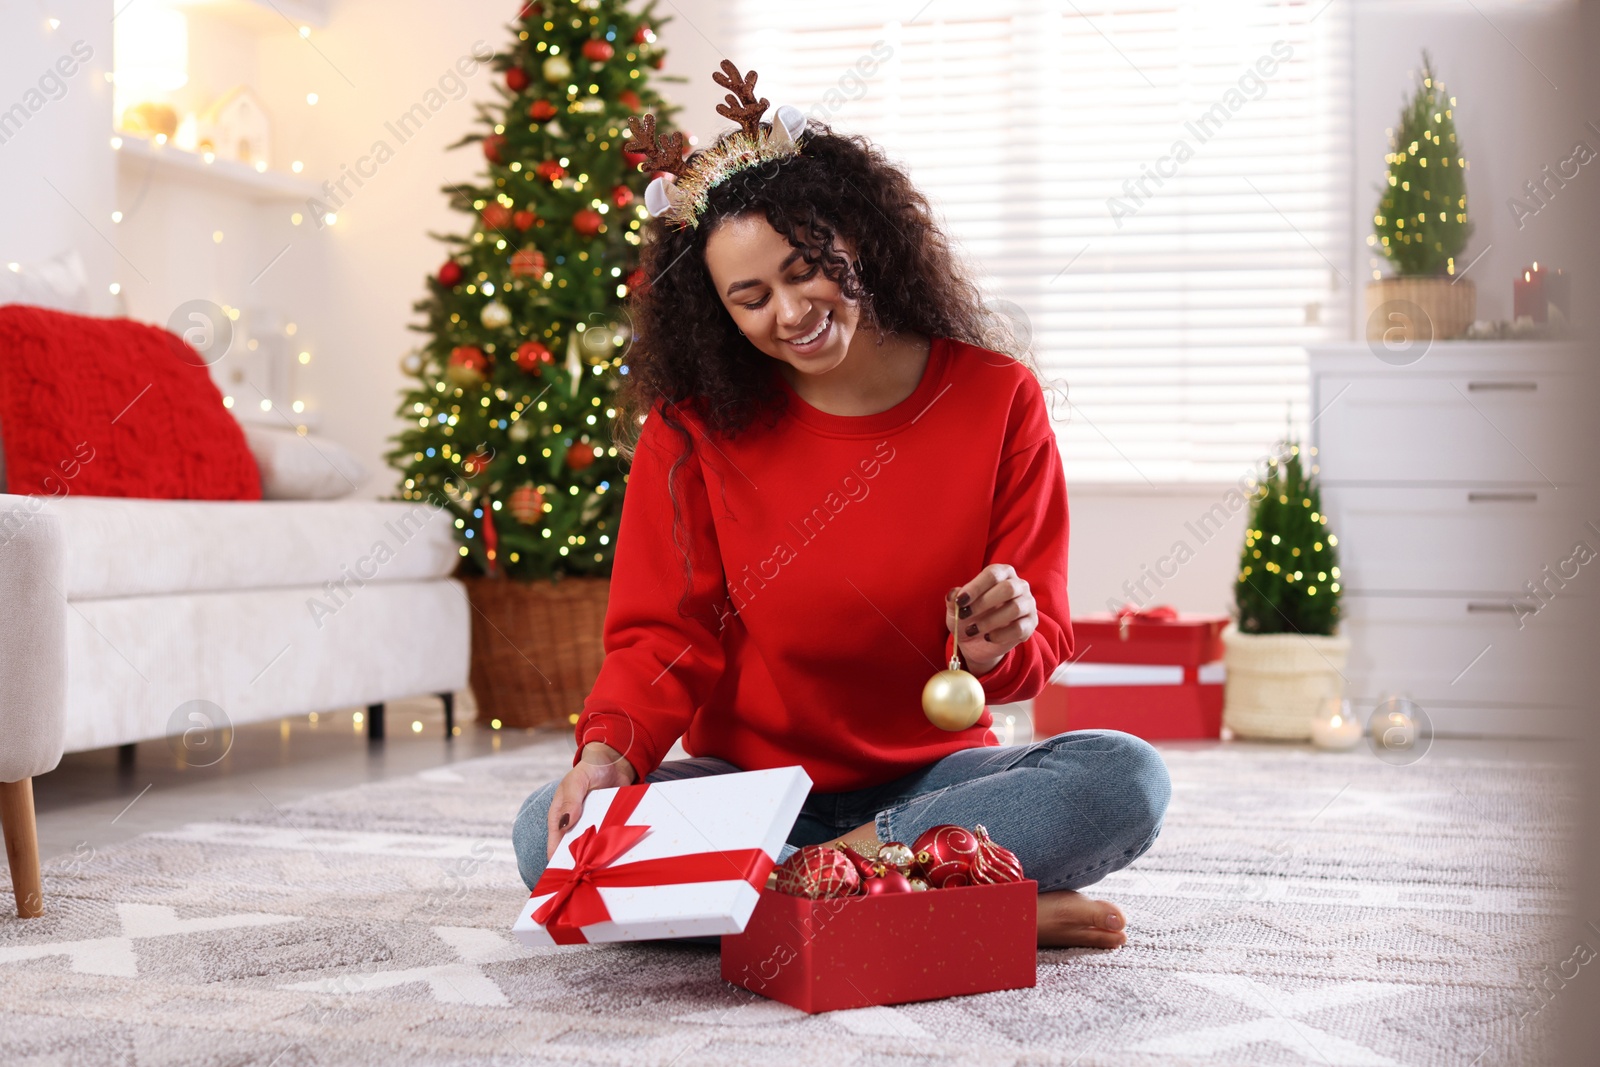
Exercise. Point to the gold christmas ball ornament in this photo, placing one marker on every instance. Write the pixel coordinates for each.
(495, 315)
(952, 699)
(897, 855)
(556, 69)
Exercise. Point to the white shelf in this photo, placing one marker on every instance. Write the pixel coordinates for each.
(139, 157)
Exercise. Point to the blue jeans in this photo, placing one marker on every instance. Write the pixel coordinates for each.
(1073, 807)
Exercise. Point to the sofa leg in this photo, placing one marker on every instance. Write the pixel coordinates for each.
(125, 754)
(449, 700)
(374, 722)
(22, 846)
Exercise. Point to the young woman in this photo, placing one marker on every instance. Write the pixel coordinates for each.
(830, 435)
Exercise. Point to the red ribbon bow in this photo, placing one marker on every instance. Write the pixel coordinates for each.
(577, 902)
(1128, 613)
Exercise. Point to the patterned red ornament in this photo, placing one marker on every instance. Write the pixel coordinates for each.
(621, 196)
(517, 79)
(528, 263)
(630, 100)
(492, 147)
(450, 274)
(550, 170)
(864, 866)
(522, 220)
(533, 357)
(467, 366)
(890, 881)
(587, 221)
(580, 454)
(496, 216)
(944, 856)
(994, 864)
(817, 872)
(526, 504)
(598, 51)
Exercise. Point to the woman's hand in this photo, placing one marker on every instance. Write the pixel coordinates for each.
(993, 613)
(601, 767)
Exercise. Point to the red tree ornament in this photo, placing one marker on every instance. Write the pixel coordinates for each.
(633, 159)
(517, 79)
(994, 864)
(467, 366)
(476, 464)
(945, 855)
(496, 216)
(523, 219)
(890, 881)
(817, 872)
(621, 196)
(450, 274)
(587, 221)
(580, 454)
(630, 100)
(526, 504)
(541, 111)
(533, 357)
(637, 280)
(528, 263)
(493, 146)
(598, 51)
(643, 34)
(529, 10)
(550, 170)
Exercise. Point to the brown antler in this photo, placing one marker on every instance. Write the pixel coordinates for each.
(742, 105)
(664, 155)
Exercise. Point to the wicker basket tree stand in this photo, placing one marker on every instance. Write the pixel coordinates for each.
(1275, 681)
(536, 647)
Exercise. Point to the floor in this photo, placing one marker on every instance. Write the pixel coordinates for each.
(89, 801)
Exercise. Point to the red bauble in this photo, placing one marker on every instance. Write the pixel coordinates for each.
(945, 855)
(541, 111)
(526, 504)
(550, 170)
(890, 881)
(621, 196)
(496, 216)
(517, 79)
(587, 221)
(580, 455)
(817, 872)
(994, 864)
(493, 145)
(450, 274)
(467, 365)
(637, 280)
(476, 464)
(528, 263)
(630, 100)
(529, 10)
(523, 219)
(643, 34)
(532, 357)
(660, 62)
(598, 51)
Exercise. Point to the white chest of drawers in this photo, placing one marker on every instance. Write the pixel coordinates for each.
(1459, 487)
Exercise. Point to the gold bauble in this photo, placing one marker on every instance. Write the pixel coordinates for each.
(952, 700)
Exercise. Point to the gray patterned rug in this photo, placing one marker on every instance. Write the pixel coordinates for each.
(1298, 909)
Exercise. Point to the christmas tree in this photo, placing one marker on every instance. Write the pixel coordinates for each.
(1421, 220)
(510, 416)
(1289, 570)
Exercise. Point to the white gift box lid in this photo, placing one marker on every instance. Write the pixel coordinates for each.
(690, 816)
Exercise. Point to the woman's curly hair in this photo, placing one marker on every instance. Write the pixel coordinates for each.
(685, 350)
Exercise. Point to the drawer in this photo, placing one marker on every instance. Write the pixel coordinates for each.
(1415, 428)
(1464, 651)
(1395, 540)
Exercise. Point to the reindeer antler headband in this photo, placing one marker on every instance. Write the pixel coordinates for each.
(682, 199)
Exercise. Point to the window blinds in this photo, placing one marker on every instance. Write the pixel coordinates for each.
(1158, 190)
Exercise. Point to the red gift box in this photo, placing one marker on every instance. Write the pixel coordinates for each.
(857, 951)
(1154, 674)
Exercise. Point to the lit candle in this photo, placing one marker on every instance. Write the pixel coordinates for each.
(1334, 727)
(1527, 295)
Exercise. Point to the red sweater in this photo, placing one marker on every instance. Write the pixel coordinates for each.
(822, 549)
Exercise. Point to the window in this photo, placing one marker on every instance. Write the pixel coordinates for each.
(1159, 188)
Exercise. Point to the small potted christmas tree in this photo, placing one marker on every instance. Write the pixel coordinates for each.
(509, 412)
(1282, 653)
(1421, 225)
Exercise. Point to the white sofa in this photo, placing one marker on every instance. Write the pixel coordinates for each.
(124, 611)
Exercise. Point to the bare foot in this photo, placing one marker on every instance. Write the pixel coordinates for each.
(1067, 918)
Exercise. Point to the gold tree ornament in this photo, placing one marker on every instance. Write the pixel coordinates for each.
(953, 698)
